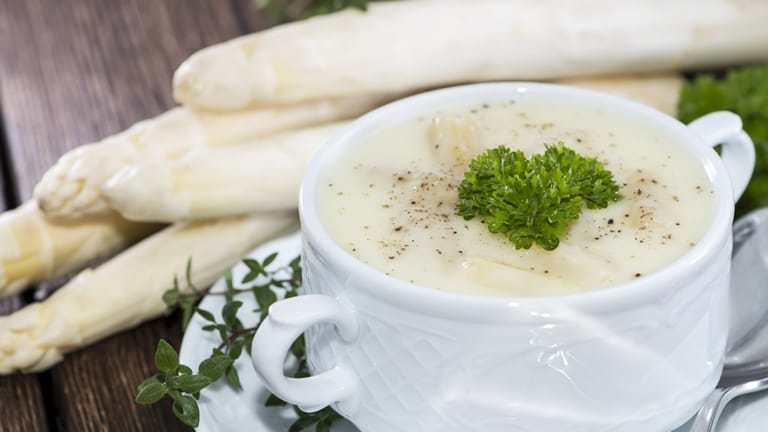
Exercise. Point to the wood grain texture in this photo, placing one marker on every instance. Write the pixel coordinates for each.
(73, 72)
(94, 389)
(21, 404)
(22, 408)
(76, 71)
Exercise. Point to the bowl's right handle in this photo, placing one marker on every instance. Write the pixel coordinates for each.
(738, 152)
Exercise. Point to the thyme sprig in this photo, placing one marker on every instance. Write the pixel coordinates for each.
(267, 282)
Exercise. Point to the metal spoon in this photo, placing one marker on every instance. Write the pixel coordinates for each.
(746, 362)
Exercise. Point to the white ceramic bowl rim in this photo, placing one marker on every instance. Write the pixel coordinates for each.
(429, 300)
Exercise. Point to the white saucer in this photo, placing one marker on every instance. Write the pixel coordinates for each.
(224, 409)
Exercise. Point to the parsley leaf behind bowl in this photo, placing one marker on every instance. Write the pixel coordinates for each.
(745, 92)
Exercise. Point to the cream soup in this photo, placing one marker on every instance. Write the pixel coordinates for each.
(391, 201)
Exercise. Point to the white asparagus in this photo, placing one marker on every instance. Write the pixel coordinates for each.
(660, 91)
(262, 175)
(34, 248)
(455, 141)
(71, 188)
(406, 45)
(567, 260)
(128, 289)
(265, 174)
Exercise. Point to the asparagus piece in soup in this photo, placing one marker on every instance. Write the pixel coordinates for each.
(456, 140)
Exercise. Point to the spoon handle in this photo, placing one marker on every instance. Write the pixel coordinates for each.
(710, 411)
(706, 419)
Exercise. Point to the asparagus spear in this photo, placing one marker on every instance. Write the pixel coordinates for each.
(261, 175)
(33, 247)
(71, 188)
(128, 289)
(265, 174)
(406, 45)
(660, 91)
(455, 140)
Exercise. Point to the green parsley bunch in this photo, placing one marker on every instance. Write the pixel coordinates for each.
(534, 200)
(745, 92)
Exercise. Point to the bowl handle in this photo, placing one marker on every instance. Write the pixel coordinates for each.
(738, 153)
(286, 321)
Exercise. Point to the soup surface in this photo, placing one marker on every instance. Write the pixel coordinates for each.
(391, 202)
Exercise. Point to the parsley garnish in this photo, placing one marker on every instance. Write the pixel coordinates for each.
(534, 200)
(745, 92)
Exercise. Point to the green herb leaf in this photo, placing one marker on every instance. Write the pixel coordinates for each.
(269, 259)
(256, 270)
(273, 400)
(166, 358)
(178, 381)
(229, 312)
(265, 297)
(206, 315)
(187, 305)
(171, 298)
(215, 366)
(229, 283)
(534, 200)
(233, 377)
(295, 266)
(188, 275)
(189, 383)
(236, 349)
(303, 423)
(185, 408)
(282, 10)
(298, 349)
(745, 92)
(248, 342)
(151, 391)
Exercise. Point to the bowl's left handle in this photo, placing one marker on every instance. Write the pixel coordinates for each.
(738, 152)
(286, 321)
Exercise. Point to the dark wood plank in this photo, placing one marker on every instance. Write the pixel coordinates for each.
(21, 399)
(21, 404)
(251, 19)
(96, 387)
(74, 71)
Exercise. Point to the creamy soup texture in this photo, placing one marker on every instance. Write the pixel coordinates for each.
(391, 202)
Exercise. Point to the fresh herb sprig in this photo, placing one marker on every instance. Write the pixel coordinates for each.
(289, 10)
(183, 386)
(745, 92)
(534, 200)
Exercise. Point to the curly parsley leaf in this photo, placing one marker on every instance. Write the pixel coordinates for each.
(745, 92)
(534, 200)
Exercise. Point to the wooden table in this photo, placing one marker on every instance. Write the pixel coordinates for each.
(72, 72)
